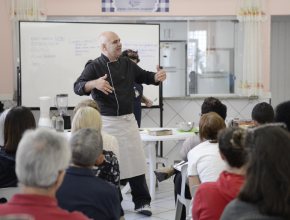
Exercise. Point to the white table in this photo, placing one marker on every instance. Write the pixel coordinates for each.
(151, 141)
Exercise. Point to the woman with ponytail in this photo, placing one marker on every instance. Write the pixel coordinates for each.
(212, 197)
(266, 191)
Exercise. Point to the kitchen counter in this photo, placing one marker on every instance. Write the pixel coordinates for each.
(204, 97)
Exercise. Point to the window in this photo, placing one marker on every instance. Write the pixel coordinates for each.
(210, 66)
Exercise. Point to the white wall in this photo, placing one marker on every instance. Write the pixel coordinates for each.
(280, 56)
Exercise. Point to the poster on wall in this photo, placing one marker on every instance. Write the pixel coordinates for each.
(135, 6)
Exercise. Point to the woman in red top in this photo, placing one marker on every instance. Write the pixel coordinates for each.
(212, 197)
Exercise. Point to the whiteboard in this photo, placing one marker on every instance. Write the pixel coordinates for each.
(53, 56)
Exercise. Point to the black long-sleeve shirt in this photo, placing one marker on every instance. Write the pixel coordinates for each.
(121, 75)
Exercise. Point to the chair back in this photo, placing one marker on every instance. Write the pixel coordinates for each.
(7, 193)
(193, 191)
(184, 177)
(181, 200)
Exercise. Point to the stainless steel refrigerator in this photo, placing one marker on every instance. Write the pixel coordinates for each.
(173, 61)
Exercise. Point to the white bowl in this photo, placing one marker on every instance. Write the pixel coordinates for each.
(185, 126)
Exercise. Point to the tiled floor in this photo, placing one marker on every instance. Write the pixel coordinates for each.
(163, 207)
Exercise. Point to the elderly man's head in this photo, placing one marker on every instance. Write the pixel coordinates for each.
(110, 45)
(87, 147)
(41, 159)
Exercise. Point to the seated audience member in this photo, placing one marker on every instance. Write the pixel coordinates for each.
(81, 190)
(2, 120)
(210, 104)
(204, 161)
(282, 114)
(109, 170)
(87, 117)
(41, 160)
(109, 141)
(17, 121)
(263, 113)
(212, 197)
(265, 193)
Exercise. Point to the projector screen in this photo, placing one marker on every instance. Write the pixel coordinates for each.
(53, 55)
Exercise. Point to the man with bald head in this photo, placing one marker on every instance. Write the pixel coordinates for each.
(110, 79)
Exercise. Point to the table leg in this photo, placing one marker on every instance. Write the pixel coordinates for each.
(152, 164)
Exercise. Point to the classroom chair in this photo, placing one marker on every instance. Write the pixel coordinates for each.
(181, 200)
(7, 193)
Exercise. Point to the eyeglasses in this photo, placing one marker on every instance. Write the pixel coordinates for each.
(131, 53)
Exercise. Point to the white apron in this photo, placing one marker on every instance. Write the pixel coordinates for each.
(125, 129)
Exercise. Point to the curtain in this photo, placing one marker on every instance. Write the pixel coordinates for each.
(27, 10)
(250, 75)
(23, 10)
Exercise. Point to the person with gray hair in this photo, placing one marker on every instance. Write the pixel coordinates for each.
(87, 147)
(41, 160)
(81, 189)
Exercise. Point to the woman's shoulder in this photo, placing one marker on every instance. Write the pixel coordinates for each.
(203, 146)
(238, 209)
(110, 143)
(3, 154)
(194, 140)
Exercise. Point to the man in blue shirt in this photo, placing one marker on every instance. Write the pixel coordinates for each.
(81, 190)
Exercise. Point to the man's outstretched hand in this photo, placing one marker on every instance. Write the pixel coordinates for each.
(160, 76)
(103, 85)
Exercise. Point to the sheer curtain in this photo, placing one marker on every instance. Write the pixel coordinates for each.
(27, 10)
(250, 75)
(23, 10)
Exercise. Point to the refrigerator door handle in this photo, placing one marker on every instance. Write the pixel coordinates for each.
(169, 67)
(169, 70)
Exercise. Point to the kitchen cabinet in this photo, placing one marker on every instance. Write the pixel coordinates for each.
(172, 31)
